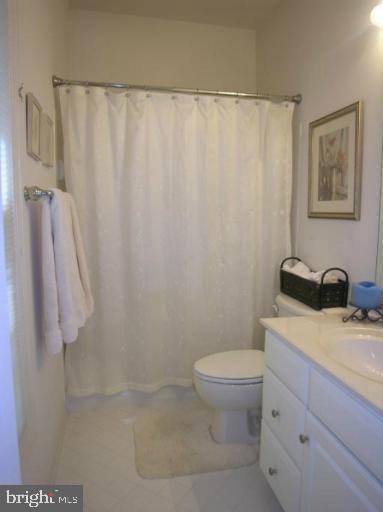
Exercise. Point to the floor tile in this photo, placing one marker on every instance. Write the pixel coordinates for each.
(143, 500)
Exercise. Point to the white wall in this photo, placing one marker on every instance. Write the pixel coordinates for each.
(39, 50)
(121, 48)
(9, 448)
(328, 51)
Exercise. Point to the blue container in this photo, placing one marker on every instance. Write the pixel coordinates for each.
(366, 295)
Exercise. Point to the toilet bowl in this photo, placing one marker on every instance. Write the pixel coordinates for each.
(231, 383)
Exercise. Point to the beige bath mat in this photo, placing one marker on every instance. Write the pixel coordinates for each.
(175, 441)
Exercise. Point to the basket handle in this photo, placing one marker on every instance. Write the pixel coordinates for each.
(287, 259)
(334, 268)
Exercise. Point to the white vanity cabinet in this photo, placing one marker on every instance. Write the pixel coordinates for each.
(321, 449)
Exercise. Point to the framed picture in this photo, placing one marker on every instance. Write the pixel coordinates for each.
(47, 140)
(335, 158)
(33, 126)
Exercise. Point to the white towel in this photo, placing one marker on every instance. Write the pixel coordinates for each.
(302, 270)
(68, 300)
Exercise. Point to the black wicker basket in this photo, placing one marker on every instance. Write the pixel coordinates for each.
(316, 295)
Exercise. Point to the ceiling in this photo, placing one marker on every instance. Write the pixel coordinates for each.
(230, 13)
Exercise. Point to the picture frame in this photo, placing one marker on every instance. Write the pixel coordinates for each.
(47, 140)
(34, 112)
(335, 164)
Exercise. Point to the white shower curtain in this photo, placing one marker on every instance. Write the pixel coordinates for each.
(184, 205)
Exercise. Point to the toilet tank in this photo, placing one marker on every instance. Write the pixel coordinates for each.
(287, 306)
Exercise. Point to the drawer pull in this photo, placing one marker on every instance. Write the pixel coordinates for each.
(272, 471)
(274, 413)
(303, 439)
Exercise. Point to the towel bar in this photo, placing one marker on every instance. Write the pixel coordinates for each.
(35, 193)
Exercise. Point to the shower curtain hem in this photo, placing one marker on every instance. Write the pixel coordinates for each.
(127, 386)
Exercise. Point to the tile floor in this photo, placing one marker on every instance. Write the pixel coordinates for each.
(98, 452)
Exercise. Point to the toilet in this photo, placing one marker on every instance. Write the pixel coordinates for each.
(231, 383)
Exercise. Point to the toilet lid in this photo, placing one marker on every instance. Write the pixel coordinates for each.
(232, 365)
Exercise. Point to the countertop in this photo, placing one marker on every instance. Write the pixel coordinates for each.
(303, 334)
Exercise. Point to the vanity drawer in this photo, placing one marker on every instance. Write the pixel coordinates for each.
(280, 471)
(284, 414)
(358, 428)
(291, 369)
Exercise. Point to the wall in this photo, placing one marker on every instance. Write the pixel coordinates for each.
(9, 445)
(38, 44)
(121, 48)
(328, 51)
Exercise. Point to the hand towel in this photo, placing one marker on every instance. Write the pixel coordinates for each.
(68, 300)
(52, 332)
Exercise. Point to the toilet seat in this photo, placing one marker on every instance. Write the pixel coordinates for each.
(235, 367)
(233, 382)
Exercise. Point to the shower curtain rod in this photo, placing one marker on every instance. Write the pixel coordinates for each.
(297, 98)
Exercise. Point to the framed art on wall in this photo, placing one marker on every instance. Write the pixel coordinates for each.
(335, 153)
(34, 112)
(47, 140)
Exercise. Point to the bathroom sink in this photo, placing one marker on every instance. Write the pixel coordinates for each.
(359, 349)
